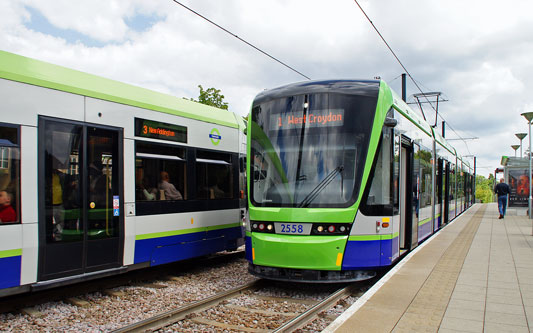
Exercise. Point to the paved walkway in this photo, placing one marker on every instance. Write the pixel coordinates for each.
(476, 275)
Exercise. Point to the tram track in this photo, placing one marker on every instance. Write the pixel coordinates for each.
(90, 293)
(220, 312)
(219, 297)
(309, 315)
(170, 317)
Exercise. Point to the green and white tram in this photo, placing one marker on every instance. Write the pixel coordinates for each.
(102, 177)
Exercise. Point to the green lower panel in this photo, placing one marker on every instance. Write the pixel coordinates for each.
(299, 252)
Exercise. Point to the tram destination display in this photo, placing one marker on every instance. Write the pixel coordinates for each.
(315, 118)
(158, 130)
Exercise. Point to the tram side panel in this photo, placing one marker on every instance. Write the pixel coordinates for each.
(28, 198)
(387, 223)
(130, 228)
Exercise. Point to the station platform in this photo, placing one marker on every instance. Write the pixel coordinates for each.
(475, 275)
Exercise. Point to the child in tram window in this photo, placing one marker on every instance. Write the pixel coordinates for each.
(7, 213)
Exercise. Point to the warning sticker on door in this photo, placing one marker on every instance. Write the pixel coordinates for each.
(116, 205)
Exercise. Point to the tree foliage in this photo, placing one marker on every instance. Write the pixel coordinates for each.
(484, 189)
(212, 97)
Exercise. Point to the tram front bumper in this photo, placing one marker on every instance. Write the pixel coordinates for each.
(298, 252)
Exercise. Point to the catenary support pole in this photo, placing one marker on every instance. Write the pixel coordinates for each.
(404, 87)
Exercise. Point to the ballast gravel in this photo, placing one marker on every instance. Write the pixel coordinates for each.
(106, 313)
(137, 302)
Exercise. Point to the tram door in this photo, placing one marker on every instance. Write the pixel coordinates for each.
(80, 198)
(439, 220)
(409, 189)
(446, 193)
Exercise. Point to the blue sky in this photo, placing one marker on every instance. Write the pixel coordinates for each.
(38, 22)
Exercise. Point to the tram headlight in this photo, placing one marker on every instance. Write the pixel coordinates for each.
(254, 226)
(270, 227)
(331, 229)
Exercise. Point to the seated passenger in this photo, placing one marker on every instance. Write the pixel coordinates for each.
(7, 213)
(168, 191)
(215, 192)
(147, 193)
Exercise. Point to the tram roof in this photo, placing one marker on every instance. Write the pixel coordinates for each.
(414, 116)
(35, 72)
(350, 87)
(442, 141)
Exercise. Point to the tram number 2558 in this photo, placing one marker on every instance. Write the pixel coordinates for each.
(292, 228)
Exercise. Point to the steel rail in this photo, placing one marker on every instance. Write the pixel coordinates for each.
(173, 316)
(311, 314)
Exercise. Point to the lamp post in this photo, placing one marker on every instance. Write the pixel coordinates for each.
(521, 136)
(529, 117)
(515, 147)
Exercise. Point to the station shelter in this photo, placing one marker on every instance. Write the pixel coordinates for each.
(515, 171)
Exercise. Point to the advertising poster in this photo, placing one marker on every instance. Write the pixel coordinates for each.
(519, 183)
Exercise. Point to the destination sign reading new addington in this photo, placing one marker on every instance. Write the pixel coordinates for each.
(158, 130)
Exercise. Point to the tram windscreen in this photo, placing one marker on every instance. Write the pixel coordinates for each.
(309, 150)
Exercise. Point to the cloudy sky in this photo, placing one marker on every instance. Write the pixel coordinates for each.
(478, 53)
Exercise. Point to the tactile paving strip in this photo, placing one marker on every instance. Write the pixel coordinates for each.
(426, 311)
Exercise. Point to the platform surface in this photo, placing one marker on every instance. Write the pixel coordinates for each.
(475, 275)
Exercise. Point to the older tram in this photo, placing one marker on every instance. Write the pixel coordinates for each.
(102, 177)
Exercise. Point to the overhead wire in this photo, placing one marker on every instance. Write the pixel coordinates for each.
(242, 40)
(408, 73)
(396, 78)
(307, 77)
(395, 56)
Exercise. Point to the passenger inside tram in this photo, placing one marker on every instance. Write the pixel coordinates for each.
(167, 190)
(7, 212)
(147, 192)
(58, 210)
(97, 184)
(216, 192)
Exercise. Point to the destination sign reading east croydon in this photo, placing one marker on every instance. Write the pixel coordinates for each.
(314, 118)
(159, 130)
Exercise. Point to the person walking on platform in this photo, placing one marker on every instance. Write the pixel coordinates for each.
(502, 190)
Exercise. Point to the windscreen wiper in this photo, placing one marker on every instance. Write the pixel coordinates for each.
(320, 186)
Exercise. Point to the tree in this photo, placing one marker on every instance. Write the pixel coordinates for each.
(211, 97)
(484, 189)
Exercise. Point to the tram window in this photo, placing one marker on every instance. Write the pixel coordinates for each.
(214, 175)
(379, 199)
(423, 159)
(160, 172)
(9, 175)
